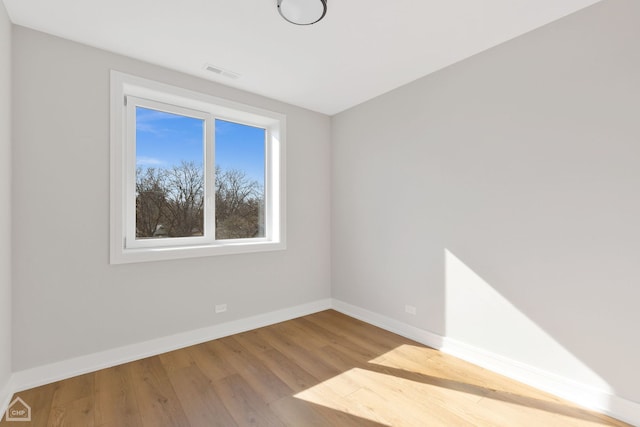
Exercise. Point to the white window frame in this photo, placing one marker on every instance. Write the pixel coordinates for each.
(129, 91)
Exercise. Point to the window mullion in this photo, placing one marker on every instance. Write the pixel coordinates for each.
(210, 184)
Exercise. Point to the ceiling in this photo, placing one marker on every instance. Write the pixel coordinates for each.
(361, 49)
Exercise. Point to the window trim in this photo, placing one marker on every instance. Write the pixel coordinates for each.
(123, 171)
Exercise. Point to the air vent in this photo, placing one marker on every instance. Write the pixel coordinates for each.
(221, 71)
(213, 69)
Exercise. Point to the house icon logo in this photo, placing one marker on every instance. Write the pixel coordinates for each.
(18, 410)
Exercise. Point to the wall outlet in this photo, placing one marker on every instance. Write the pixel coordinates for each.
(410, 309)
(220, 308)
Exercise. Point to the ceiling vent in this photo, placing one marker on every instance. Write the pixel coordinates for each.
(221, 71)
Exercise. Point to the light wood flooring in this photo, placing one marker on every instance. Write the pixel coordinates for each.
(325, 369)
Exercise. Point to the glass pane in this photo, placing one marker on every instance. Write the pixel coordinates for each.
(169, 175)
(240, 179)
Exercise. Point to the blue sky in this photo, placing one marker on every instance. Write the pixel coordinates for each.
(165, 139)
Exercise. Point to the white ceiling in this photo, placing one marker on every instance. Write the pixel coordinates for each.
(362, 48)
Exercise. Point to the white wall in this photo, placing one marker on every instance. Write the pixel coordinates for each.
(500, 197)
(5, 201)
(68, 300)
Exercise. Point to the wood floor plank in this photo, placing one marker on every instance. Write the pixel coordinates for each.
(176, 360)
(325, 369)
(210, 358)
(73, 389)
(73, 402)
(39, 399)
(77, 412)
(198, 398)
(290, 372)
(159, 406)
(253, 341)
(261, 379)
(244, 404)
(293, 412)
(300, 413)
(309, 360)
(116, 405)
(370, 340)
(392, 408)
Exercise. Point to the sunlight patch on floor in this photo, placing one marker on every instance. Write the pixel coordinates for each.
(429, 365)
(416, 386)
(386, 399)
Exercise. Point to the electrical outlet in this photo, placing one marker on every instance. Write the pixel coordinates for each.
(410, 309)
(220, 308)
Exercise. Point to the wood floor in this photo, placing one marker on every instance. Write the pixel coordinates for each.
(325, 369)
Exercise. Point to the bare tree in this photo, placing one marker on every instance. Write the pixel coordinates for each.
(151, 200)
(239, 204)
(185, 208)
(172, 200)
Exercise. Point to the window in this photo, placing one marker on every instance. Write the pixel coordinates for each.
(191, 174)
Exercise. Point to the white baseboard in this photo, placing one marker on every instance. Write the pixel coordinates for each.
(585, 395)
(34, 377)
(581, 394)
(422, 336)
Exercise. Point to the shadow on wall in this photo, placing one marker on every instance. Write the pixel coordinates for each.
(478, 315)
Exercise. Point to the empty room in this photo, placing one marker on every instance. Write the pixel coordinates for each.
(319, 213)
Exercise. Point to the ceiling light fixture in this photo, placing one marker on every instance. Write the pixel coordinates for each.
(302, 12)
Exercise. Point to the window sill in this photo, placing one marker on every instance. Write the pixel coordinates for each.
(125, 256)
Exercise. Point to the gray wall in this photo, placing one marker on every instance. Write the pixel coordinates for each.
(5, 198)
(500, 197)
(68, 300)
